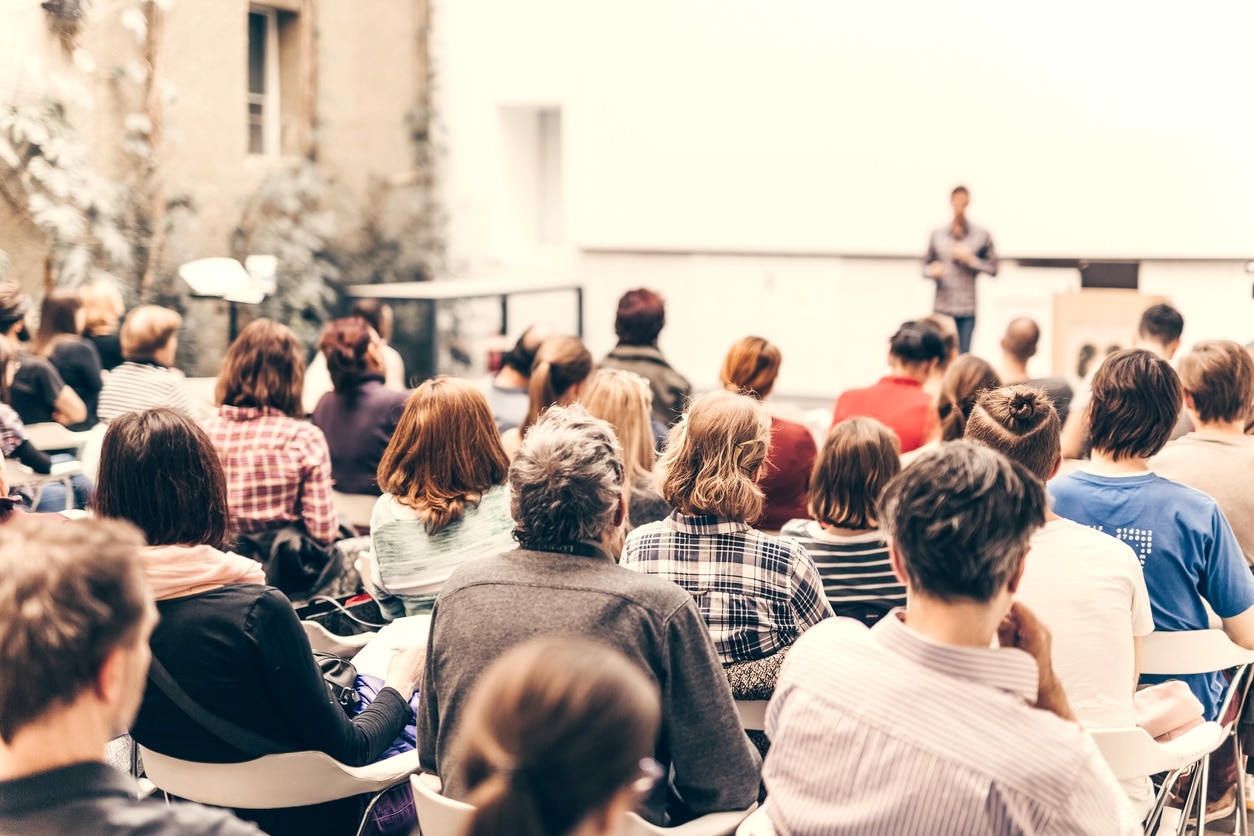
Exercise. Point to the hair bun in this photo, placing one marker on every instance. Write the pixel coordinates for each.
(1023, 405)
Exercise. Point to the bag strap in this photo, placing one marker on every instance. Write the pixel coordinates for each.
(250, 743)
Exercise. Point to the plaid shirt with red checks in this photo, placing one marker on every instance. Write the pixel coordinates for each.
(278, 470)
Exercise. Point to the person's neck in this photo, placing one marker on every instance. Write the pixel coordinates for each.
(510, 378)
(1013, 370)
(66, 737)
(840, 531)
(915, 373)
(962, 622)
(1217, 428)
(1103, 463)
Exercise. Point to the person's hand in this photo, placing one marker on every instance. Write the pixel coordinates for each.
(936, 270)
(405, 670)
(962, 252)
(1022, 629)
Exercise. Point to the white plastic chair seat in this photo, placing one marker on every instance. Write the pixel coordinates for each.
(757, 824)
(1132, 753)
(17, 474)
(752, 714)
(288, 780)
(49, 435)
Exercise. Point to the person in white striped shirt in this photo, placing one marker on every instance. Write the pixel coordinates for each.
(920, 725)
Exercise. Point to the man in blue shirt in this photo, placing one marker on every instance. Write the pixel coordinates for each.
(1187, 549)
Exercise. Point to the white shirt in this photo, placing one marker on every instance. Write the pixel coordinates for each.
(884, 731)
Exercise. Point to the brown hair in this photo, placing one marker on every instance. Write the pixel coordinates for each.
(1136, 401)
(102, 302)
(160, 471)
(58, 321)
(858, 459)
(1021, 423)
(964, 380)
(947, 327)
(344, 344)
(71, 592)
(148, 329)
(713, 456)
(264, 367)
(641, 315)
(551, 732)
(444, 453)
(1219, 376)
(750, 368)
(625, 400)
(561, 364)
(7, 358)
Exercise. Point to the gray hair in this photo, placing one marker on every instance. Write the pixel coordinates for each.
(961, 517)
(566, 480)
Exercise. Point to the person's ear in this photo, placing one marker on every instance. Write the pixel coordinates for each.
(898, 563)
(1053, 471)
(110, 683)
(1012, 585)
(1188, 402)
(620, 513)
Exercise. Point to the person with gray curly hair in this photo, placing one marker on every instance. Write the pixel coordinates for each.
(922, 711)
(564, 579)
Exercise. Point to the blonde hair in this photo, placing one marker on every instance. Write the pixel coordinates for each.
(750, 368)
(713, 458)
(103, 305)
(561, 364)
(623, 399)
(147, 330)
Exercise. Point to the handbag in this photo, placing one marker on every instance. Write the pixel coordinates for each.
(341, 678)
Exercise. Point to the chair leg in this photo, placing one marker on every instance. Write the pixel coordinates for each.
(1197, 800)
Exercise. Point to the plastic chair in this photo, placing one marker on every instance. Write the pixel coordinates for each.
(752, 714)
(1205, 651)
(757, 824)
(440, 816)
(354, 507)
(49, 435)
(320, 638)
(19, 474)
(292, 779)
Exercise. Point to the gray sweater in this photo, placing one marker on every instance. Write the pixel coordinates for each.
(492, 604)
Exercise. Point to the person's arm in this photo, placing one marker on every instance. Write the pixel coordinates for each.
(428, 708)
(1136, 662)
(34, 458)
(715, 766)
(986, 259)
(1095, 803)
(809, 601)
(316, 507)
(933, 267)
(1228, 585)
(1022, 629)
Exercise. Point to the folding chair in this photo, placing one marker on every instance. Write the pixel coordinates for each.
(19, 474)
(752, 714)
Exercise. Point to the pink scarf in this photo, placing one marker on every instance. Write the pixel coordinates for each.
(176, 570)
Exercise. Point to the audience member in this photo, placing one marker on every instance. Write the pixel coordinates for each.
(74, 628)
(445, 501)
(223, 633)
(360, 414)
(556, 738)
(756, 593)
(967, 377)
(750, 368)
(508, 396)
(561, 366)
(843, 537)
(898, 401)
(948, 330)
(918, 725)
(1217, 458)
(1018, 346)
(1087, 586)
(1188, 552)
(638, 323)
(37, 393)
(103, 308)
(61, 322)
(147, 379)
(623, 399)
(318, 380)
(956, 253)
(566, 497)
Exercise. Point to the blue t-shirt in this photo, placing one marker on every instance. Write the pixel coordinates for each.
(1185, 546)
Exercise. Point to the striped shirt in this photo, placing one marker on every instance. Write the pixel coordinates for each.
(135, 386)
(857, 573)
(756, 592)
(278, 470)
(884, 731)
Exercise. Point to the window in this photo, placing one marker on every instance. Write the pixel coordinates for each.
(276, 124)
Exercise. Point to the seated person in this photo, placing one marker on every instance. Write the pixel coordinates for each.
(638, 324)
(103, 308)
(508, 395)
(223, 633)
(445, 500)
(898, 401)
(1187, 550)
(750, 368)
(1087, 586)
(918, 724)
(566, 487)
(756, 593)
(74, 628)
(556, 738)
(623, 399)
(147, 379)
(1018, 346)
(561, 367)
(844, 538)
(60, 340)
(379, 315)
(37, 393)
(359, 416)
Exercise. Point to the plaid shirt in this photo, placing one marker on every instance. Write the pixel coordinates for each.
(757, 593)
(955, 290)
(278, 470)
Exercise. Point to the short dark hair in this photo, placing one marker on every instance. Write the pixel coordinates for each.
(522, 356)
(1161, 323)
(959, 190)
(1219, 377)
(641, 315)
(917, 342)
(858, 458)
(159, 470)
(1136, 402)
(71, 593)
(1021, 423)
(961, 516)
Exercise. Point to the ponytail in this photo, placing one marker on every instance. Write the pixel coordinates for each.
(561, 363)
(540, 392)
(504, 805)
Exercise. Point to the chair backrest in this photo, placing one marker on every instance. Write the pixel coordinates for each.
(437, 815)
(50, 435)
(1132, 753)
(320, 638)
(289, 780)
(711, 824)
(757, 824)
(355, 507)
(1191, 651)
(752, 714)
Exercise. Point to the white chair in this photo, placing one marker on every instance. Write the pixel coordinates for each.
(320, 638)
(354, 507)
(275, 781)
(50, 435)
(757, 824)
(1205, 651)
(17, 474)
(440, 816)
(752, 714)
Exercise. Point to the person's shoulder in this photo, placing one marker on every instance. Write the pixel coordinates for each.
(798, 529)
(823, 640)
(1084, 545)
